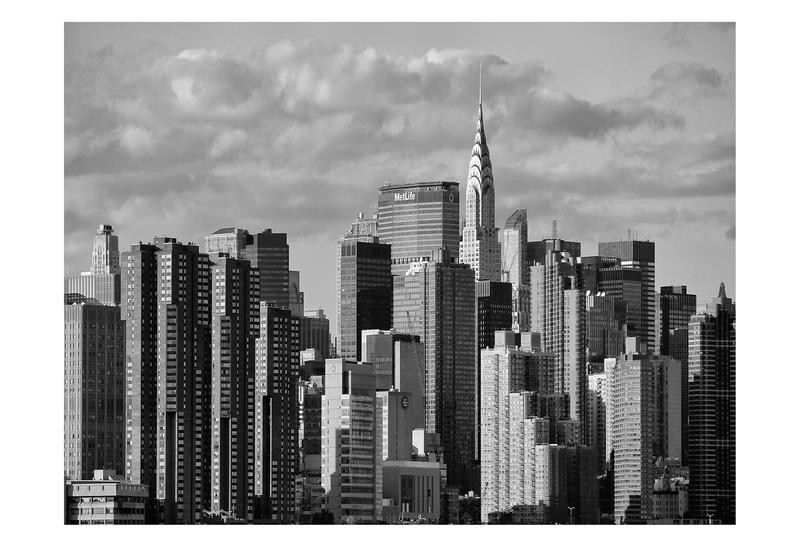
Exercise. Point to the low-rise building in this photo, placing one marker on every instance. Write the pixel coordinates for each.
(106, 499)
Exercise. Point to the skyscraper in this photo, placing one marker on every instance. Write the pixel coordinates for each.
(515, 270)
(231, 241)
(511, 426)
(315, 332)
(234, 328)
(363, 290)
(642, 255)
(296, 296)
(558, 312)
(677, 307)
(268, 251)
(538, 250)
(102, 281)
(493, 313)
(479, 246)
(277, 374)
(604, 336)
(94, 387)
(712, 411)
(436, 301)
(183, 372)
(105, 251)
(140, 275)
(633, 419)
(351, 443)
(667, 398)
(417, 219)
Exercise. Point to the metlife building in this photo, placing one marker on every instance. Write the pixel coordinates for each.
(417, 218)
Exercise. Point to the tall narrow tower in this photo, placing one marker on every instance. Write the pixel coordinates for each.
(479, 244)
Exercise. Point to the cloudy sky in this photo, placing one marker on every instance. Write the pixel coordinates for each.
(180, 129)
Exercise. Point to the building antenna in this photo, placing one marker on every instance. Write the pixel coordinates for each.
(554, 229)
(480, 83)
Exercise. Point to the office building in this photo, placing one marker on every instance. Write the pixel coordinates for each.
(277, 374)
(676, 307)
(351, 443)
(140, 305)
(479, 245)
(183, 372)
(395, 409)
(106, 498)
(234, 329)
(413, 489)
(363, 291)
(514, 268)
(435, 300)
(94, 388)
(315, 332)
(296, 296)
(632, 437)
(712, 411)
(667, 397)
(538, 250)
(309, 433)
(417, 219)
(268, 252)
(409, 374)
(641, 255)
(102, 281)
(605, 337)
(377, 348)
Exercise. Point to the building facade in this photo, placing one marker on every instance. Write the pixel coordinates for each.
(106, 498)
(435, 300)
(277, 416)
(417, 219)
(479, 245)
(641, 255)
(94, 388)
(712, 411)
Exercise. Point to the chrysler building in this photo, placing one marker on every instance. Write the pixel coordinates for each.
(479, 245)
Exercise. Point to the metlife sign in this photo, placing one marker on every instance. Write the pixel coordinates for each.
(405, 196)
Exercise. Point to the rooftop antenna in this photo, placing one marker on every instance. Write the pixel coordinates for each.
(554, 229)
(480, 83)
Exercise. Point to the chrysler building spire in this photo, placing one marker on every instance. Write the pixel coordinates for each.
(479, 246)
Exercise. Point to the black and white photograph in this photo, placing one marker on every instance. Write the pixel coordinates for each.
(385, 271)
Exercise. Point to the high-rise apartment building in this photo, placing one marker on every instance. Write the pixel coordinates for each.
(435, 300)
(632, 426)
(676, 307)
(94, 388)
(479, 246)
(277, 376)
(417, 219)
(641, 255)
(234, 328)
(183, 374)
(351, 443)
(550, 481)
(493, 313)
(604, 336)
(363, 290)
(231, 241)
(558, 312)
(712, 411)
(515, 270)
(512, 381)
(139, 309)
